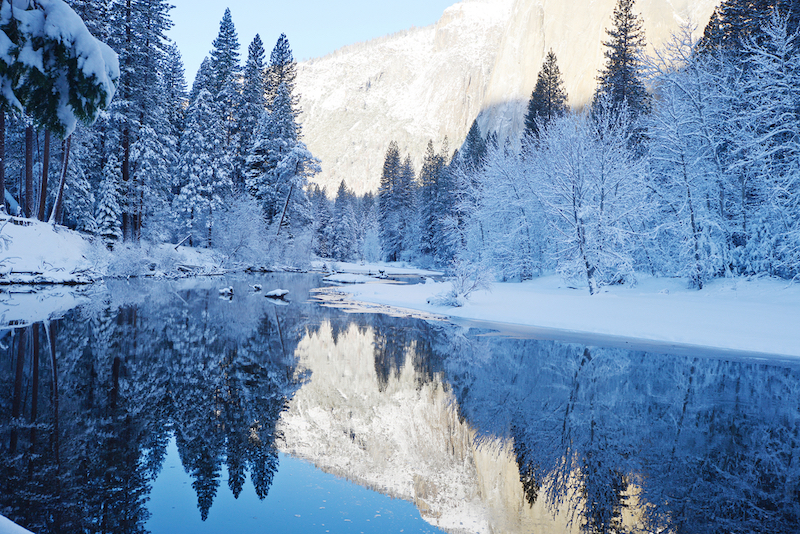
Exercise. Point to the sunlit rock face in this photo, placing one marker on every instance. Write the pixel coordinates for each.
(481, 59)
(402, 436)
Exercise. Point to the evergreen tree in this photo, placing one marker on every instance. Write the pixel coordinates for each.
(108, 209)
(202, 169)
(282, 70)
(323, 223)
(252, 105)
(387, 202)
(430, 203)
(735, 22)
(344, 242)
(621, 79)
(224, 54)
(226, 70)
(549, 98)
(279, 165)
(204, 79)
(138, 34)
(473, 152)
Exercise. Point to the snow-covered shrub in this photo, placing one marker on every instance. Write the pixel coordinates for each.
(239, 231)
(464, 280)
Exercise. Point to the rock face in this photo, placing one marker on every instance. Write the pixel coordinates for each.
(481, 59)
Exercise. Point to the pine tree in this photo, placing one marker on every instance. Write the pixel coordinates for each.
(735, 22)
(108, 208)
(431, 202)
(225, 54)
(138, 34)
(279, 165)
(344, 242)
(252, 105)
(226, 70)
(202, 169)
(621, 79)
(204, 79)
(387, 202)
(549, 98)
(473, 152)
(282, 70)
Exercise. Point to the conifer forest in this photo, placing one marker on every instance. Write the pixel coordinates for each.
(683, 164)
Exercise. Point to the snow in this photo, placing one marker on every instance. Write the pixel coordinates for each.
(9, 527)
(35, 252)
(376, 268)
(481, 59)
(751, 318)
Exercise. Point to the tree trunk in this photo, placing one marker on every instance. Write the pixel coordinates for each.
(55, 215)
(29, 171)
(35, 386)
(45, 171)
(16, 407)
(51, 336)
(2, 161)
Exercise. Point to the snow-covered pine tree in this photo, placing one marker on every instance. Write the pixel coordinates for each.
(344, 220)
(109, 213)
(323, 223)
(138, 34)
(473, 151)
(434, 191)
(226, 71)
(388, 212)
(204, 79)
(203, 170)
(549, 98)
(224, 54)
(252, 105)
(279, 165)
(735, 23)
(621, 79)
(282, 70)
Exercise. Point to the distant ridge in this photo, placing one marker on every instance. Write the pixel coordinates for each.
(481, 58)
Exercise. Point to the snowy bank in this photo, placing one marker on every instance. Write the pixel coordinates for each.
(34, 252)
(9, 527)
(745, 316)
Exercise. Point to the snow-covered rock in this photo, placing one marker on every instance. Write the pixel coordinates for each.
(481, 59)
(277, 293)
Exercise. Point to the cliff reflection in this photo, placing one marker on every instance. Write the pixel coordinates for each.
(710, 445)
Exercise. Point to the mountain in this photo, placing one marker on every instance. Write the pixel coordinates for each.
(481, 59)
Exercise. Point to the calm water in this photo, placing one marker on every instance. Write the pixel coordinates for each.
(162, 407)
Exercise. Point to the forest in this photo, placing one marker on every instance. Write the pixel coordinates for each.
(684, 164)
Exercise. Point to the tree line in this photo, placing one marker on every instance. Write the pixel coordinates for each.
(684, 164)
(162, 162)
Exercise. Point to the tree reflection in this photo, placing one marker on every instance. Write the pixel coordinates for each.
(84, 432)
(701, 444)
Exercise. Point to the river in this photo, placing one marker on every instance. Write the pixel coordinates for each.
(168, 407)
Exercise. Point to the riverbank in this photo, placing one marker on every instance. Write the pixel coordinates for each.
(755, 316)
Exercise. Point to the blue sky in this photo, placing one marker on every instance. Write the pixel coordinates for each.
(314, 27)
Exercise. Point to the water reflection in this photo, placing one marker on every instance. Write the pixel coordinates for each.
(483, 434)
(94, 398)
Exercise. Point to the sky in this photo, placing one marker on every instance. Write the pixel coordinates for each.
(314, 27)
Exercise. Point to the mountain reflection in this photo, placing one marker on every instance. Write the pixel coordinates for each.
(482, 433)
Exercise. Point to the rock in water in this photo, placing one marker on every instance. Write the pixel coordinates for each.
(277, 293)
